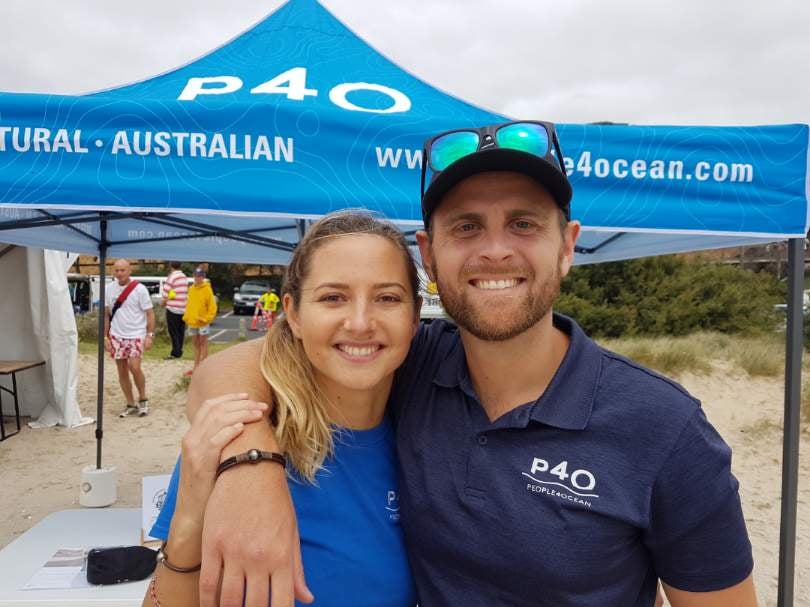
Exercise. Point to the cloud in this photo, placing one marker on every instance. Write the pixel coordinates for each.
(687, 62)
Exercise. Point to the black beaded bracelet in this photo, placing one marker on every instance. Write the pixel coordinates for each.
(253, 456)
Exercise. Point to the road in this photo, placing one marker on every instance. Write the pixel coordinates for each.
(225, 328)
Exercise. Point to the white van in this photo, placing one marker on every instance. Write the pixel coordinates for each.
(153, 284)
(431, 304)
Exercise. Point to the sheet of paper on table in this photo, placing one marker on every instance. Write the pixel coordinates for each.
(65, 569)
(154, 492)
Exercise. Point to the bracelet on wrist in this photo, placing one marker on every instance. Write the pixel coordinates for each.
(162, 557)
(153, 591)
(254, 456)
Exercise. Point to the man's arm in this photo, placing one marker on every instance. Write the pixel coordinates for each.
(700, 547)
(107, 345)
(741, 595)
(217, 422)
(150, 328)
(164, 292)
(250, 534)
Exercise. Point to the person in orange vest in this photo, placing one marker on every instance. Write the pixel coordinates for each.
(201, 309)
(268, 306)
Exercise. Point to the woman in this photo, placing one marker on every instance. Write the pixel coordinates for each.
(351, 308)
(201, 310)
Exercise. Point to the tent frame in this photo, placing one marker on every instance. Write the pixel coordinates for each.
(794, 346)
(195, 229)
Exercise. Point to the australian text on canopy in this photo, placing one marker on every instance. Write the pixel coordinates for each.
(23, 139)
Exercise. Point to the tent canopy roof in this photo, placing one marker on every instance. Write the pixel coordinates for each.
(222, 158)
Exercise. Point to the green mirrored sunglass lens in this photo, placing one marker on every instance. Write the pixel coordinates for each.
(532, 138)
(445, 150)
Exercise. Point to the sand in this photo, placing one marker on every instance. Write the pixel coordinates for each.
(41, 468)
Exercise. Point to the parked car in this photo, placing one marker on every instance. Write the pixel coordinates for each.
(431, 304)
(80, 292)
(805, 305)
(153, 285)
(246, 296)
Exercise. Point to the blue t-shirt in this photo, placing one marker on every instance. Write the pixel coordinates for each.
(351, 539)
(611, 479)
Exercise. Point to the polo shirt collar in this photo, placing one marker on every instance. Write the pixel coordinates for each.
(566, 403)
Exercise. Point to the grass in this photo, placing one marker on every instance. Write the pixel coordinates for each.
(670, 355)
(87, 327)
(161, 348)
(761, 429)
(182, 384)
(758, 356)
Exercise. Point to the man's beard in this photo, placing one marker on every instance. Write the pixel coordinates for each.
(488, 325)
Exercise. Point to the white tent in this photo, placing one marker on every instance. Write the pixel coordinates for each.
(38, 324)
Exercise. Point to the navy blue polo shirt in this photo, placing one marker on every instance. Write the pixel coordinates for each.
(611, 479)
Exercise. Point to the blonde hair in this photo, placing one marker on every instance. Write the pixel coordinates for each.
(303, 428)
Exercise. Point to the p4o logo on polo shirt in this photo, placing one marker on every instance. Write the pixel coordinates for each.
(578, 486)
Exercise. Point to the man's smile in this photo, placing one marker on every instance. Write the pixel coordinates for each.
(499, 284)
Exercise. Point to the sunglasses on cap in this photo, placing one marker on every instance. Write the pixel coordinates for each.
(501, 147)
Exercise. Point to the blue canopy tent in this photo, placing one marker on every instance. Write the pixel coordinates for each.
(225, 158)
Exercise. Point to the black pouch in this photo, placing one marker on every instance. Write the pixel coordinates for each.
(120, 564)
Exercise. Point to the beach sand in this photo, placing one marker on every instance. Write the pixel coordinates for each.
(41, 468)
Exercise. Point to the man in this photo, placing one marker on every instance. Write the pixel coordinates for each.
(173, 297)
(129, 326)
(535, 467)
(269, 303)
(267, 306)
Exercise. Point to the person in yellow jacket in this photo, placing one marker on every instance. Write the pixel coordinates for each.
(269, 304)
(201, 309)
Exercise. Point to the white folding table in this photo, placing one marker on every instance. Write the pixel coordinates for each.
(82, 528)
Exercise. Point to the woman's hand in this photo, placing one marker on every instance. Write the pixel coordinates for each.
(217, 422)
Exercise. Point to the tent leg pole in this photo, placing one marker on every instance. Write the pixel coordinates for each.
(790, 447)
(102, 294)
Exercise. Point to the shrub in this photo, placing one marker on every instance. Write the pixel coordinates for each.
(87, 326)
(669, 296)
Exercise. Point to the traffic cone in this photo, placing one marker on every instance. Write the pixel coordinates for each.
(253, 323)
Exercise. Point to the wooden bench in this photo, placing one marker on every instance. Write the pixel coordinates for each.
(12, 367)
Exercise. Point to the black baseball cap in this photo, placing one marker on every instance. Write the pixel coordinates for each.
(492, 154)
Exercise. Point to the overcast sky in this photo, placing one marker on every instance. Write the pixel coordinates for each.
(720, 62)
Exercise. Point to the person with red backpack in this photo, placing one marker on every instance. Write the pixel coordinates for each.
(129, 327)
